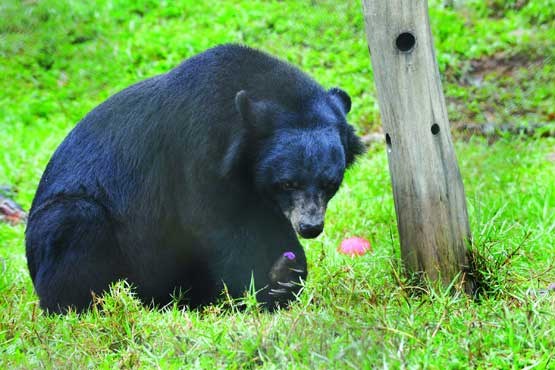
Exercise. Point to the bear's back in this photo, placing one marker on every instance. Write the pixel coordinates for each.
(224, 70)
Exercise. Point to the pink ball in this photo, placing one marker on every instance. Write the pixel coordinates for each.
(354, 246)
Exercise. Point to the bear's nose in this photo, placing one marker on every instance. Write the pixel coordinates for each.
(310, 231)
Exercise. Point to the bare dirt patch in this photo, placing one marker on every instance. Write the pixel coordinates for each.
(499, 65)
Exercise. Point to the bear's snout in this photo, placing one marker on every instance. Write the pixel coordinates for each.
(309, 231)
(307, 215)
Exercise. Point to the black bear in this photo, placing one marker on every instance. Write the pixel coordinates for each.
(190, 180)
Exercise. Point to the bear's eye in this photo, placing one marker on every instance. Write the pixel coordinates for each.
(288, 185)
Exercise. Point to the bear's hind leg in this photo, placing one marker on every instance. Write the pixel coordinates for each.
(72, 252)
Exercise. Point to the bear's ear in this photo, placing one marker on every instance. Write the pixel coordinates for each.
(255, 114)
(353, 145)
(256, 123)
(244, 106)
(342, 98)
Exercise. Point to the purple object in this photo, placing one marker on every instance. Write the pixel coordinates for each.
(289, 255)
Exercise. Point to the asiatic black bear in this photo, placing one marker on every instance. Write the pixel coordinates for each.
(190, 180)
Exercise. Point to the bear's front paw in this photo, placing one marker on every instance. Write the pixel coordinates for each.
(286, 278)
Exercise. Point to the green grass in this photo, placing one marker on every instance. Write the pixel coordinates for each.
(58, 59)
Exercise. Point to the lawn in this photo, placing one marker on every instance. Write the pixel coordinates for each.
(59, 59)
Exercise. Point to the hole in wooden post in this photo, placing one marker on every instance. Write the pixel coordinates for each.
(435, 129)
(388, 142)
(405, 42)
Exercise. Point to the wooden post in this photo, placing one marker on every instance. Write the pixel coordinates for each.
(429, 196)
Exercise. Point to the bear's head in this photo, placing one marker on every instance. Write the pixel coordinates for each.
(297, 155)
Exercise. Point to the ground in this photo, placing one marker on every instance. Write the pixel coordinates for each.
(61, 58)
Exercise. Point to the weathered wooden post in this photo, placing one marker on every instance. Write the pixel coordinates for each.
(429, 196)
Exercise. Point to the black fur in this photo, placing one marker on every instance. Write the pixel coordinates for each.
(170, 183)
